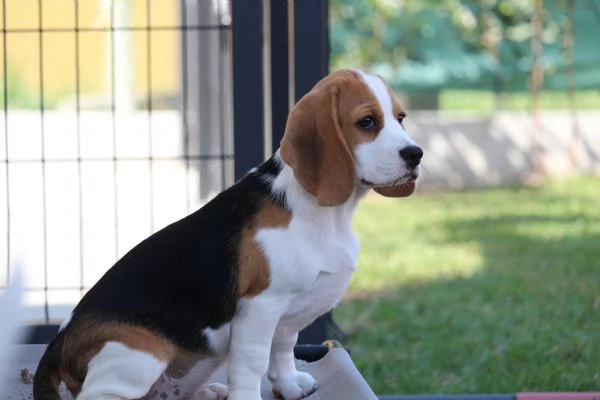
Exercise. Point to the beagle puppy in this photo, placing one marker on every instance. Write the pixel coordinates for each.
(235, 281)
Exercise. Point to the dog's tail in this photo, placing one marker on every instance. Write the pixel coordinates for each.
(47, 376)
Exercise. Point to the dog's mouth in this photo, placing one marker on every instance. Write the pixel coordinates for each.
(409, 177)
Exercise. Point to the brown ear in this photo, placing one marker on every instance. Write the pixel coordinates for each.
(404, 190)
(314, 146)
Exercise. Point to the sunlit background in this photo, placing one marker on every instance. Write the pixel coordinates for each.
(487, 280)
(116, 120)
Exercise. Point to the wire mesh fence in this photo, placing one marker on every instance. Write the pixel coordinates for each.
(116, 121)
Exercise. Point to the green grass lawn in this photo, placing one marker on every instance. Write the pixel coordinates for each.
(479, 292)
(485, 102)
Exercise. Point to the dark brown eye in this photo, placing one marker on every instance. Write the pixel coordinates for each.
(367, 123)
(400, 118)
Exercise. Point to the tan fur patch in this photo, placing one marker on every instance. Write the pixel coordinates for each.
(272, 216)
(182, 363)
(254, 271)
(73, 385)
(86, 338)
(397, 109)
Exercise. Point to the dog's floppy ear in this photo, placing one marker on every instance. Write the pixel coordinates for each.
(404, 190)
(314, 146)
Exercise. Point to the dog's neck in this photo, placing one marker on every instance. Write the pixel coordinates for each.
(302, 203)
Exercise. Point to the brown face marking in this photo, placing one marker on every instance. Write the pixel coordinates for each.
(397, 109)
(355, 102)
(254, 273)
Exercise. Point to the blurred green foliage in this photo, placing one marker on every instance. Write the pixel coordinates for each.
(429, 44)
(388, 31)
(17, 93)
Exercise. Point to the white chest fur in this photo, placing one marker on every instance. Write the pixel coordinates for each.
(312, 259)
(311, 262)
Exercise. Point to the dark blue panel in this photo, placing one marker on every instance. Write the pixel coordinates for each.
(312, 43)
(248, 115)
(279, 69)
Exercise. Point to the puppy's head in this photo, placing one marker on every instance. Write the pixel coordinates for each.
(347, 132)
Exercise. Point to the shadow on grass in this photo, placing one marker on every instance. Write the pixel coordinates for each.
(527, 320)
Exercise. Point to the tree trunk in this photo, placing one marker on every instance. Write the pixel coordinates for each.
(537, 84)
(569, 43)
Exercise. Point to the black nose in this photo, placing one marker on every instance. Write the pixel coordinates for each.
(412, 155)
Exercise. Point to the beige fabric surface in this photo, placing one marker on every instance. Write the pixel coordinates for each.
(335, 373)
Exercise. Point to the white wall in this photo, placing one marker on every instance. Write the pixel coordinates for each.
(471, 152)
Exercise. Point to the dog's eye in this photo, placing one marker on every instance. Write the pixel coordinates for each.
(367, 123)
(400, 118)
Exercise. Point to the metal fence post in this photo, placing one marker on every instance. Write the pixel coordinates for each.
(203, 76)
(311, 43)
(248, 113)
(280, 76)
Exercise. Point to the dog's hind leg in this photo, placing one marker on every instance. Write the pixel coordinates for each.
(118, 372)
(191, 385)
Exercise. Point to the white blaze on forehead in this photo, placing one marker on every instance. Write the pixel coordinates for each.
(379, 90)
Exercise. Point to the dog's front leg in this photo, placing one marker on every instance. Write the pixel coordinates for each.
(252, 332)
(286, 381)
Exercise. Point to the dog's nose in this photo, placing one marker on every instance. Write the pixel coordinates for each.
(412, 155)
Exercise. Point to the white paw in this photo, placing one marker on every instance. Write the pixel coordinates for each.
(295, 386)
(212, 391)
